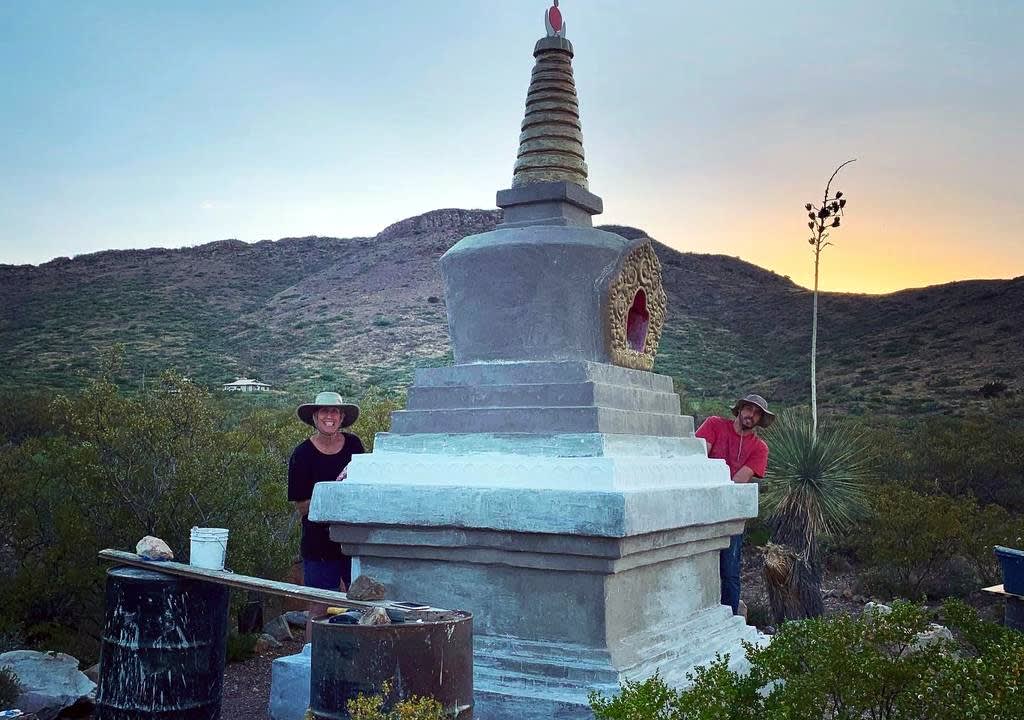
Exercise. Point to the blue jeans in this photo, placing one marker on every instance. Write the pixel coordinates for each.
(729, 570)
(326, 574)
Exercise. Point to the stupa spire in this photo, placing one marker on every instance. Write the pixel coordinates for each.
(551, 143)
(549, 183)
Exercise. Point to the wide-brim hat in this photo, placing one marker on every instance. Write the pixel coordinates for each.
(349, 412)
(767, 416)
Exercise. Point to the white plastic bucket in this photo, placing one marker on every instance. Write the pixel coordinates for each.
(208, 548)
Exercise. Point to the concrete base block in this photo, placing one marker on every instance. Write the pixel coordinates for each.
(289, 686)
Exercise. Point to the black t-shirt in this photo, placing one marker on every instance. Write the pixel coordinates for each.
(306, 467)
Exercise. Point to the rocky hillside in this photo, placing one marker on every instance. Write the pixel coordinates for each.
(305, 312)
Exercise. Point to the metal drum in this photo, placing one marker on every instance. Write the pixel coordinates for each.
(433, 658)
(163, 648)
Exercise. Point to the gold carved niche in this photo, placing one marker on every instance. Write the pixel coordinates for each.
(636, 309)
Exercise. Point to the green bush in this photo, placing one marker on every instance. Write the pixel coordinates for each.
(115, 467)
(372, 707)
(10, 688)
(849, 668)
(241, 646)
(936, 546)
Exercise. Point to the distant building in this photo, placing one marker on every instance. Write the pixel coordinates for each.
(245, 385)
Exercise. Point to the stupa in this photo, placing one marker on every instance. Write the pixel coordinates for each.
(547, 482)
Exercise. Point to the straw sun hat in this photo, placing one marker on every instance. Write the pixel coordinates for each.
(328, 399)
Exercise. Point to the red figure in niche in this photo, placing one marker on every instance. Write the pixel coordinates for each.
(637, 322)
(553, 21)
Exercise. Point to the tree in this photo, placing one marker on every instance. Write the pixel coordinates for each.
(822, 218)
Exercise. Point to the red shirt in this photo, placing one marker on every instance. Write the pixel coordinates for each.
(738, 451)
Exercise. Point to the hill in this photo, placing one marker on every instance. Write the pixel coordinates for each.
(307, 312)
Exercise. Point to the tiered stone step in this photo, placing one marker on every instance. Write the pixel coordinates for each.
(542, 398)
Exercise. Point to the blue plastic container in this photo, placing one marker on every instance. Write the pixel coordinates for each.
(1012, 562)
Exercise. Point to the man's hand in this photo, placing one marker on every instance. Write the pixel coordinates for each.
(743, 475)
(302, 507)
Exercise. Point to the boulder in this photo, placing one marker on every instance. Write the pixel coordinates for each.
(50, 681)
(153, 548)
(365, 587)
(278, 629)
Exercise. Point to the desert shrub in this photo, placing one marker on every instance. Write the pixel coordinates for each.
(848, 668)
(241, 646)
(918, 545)
(118, 466)
(372, 707)
(977, 456)
(10, 688)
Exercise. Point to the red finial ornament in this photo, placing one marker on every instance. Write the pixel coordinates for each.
(553, 21)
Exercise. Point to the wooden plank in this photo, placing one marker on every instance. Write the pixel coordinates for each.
(247, 582)
(998, 590)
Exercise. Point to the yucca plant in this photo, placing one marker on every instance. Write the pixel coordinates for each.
(815, 486)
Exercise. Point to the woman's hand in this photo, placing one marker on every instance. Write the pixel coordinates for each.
(343, 474)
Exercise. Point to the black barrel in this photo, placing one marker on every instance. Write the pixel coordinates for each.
(433, 658)
(163, 649)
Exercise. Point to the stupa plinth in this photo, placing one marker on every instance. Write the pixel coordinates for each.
(547, 482)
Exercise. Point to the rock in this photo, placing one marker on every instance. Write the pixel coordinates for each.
(860, 599)
(877, 608)
(298, 618)
(365, 587)
(377, 616)
(51, 681)
(278, 629)
(847, 594)
(934, 634)
(153, 548)
(267, 642)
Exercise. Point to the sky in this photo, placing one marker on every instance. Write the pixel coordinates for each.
(133, 124)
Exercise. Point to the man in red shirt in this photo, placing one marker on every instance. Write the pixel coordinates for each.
(736, 442)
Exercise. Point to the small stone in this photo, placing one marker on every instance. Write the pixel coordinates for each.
(93, 672)
(267, 642)
(153, 548)
(365, 587)
(847, 594)
(278, 629)
(377, 616)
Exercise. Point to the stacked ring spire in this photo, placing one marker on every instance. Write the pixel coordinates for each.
(551, 142)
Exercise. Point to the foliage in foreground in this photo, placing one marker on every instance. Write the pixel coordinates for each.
(10, 688)
(371, 707)
(845, 668)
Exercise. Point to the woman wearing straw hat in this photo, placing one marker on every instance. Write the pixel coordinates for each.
(324, 457)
